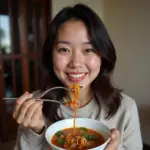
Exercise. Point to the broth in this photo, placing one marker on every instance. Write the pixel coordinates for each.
(82, 139)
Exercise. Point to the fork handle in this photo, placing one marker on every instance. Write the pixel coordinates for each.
(45, 100)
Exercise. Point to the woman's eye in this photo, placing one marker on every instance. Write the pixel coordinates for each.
(63, 50)
(89, 50)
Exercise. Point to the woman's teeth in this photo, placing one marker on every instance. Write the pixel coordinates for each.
(77, 75)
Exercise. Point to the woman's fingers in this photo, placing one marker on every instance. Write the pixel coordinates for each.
(23, 110)
(115, 140)
(37, 114)
(30, 113)
(115, 134)
(37, 117)
(19, 102)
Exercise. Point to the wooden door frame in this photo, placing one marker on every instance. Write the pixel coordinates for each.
(24, 56)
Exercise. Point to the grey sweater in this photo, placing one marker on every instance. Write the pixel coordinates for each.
(126, 120)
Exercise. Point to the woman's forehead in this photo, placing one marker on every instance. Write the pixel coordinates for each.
(73, 30)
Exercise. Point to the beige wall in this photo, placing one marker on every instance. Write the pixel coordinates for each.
(128, 22)
(97, 5)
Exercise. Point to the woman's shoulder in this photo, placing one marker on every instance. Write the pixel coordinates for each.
(127, 110)
(127, 102)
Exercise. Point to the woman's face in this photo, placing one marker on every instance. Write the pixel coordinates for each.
(74, 58)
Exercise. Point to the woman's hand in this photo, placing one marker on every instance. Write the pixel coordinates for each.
(114, 141)
(29, 113)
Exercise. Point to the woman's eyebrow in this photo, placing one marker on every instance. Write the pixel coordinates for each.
(88, 42)
(67, 42)
(63, 42)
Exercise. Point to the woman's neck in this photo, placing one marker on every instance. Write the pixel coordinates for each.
(85, 96)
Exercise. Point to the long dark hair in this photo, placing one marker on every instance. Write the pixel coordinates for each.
(102, 87)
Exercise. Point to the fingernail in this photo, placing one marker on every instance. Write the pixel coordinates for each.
(26, 92)
(31, 95)
(41, 102)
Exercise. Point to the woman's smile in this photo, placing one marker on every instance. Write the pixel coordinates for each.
(76, 77)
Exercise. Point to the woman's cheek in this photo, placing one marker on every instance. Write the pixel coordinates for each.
(59, 63)
(94, 63)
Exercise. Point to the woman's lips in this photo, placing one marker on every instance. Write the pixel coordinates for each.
(76, 77)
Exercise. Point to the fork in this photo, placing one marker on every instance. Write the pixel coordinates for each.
(53, 101)
(39, 97)
(41, 94)
(44, 100)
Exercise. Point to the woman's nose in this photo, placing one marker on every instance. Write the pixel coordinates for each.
(76, 60)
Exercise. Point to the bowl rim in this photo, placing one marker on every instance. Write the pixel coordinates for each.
(70, 119)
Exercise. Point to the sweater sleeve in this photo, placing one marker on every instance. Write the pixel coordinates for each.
(132, 135)
(28, 140)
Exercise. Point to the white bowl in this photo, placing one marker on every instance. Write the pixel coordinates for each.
(80, 122)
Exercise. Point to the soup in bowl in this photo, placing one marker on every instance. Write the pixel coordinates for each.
(88, 134)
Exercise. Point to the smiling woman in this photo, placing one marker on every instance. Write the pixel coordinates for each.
(79, 51)
(79, 61)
